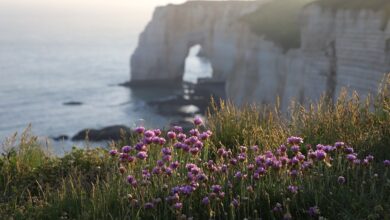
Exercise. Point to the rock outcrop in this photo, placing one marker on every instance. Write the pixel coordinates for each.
(339, 48)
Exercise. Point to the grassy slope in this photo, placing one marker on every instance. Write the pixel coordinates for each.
(85, 184)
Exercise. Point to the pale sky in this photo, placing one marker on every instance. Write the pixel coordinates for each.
(38, 18)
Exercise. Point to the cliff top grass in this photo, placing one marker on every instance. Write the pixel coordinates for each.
(152, 181)
(278, 20)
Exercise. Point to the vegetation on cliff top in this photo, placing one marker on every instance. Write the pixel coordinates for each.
(278, 20)
(239, 165)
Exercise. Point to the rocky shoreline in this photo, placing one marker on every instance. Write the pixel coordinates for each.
(192, 99)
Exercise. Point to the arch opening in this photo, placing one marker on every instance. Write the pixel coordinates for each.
(196, 66)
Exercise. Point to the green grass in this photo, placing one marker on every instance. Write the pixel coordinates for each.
(278, 20)
(86, 184)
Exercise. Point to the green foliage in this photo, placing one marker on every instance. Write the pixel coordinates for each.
(278, 21)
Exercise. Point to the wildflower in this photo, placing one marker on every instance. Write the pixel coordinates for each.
(130, 159)
(122, 170)
(204, 136)
(220, 151)
(255, 148)
(195, 170)
(294, 173)
(149, 205)
(241, 157)
(294, 140)
(339, 145)
(206, 201)
(201, 177)
(216, 188)
(131, 179)
(178, 205)
(198, 144)
(177, 129)
(113, 152)
(149, 134)
(224, 168)
(123, 156)
(194, 132)
(238, 175)
(348, 150)
(313, 211)
(162, 141)
(351, 157)
(370, 158)
(167, 158)
(243, 149)
(160, 163)
(198, 121)
(301, 157)
(189, 166)
(174, 165)
(157, 132)
(156, 170)
(233, 161)
(126, 149)
(294, 161)
(142, 155)
(295, 148)
(140, 130)
(171, 135)
(328, 148)
(320, 154)
(235, 203)
(168, 171)
(250, 167)
(166, 151)
(194, 151)
(278, 208)
(181, 137)
(156, 140)
(386, 163)
(261, 171)
(186, 190)
(185, 147)
(283, 148)
(341, 180)
(293, 189)
(140, 147)
(320, 147)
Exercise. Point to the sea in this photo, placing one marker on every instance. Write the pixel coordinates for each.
(55, 52)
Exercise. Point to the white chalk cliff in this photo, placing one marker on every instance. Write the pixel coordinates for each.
(339, 48)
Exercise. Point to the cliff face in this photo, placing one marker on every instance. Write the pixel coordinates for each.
(339, 48)
(174, 29)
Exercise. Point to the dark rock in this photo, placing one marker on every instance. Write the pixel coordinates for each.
(72, 103)
(104, 134)
(62, 137)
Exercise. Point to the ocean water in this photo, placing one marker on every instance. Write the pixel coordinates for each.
(52, 53)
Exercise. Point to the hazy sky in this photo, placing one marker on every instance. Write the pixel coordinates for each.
(42, 19)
